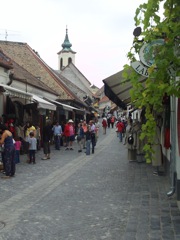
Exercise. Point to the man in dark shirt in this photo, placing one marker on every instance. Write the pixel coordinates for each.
(47, 136)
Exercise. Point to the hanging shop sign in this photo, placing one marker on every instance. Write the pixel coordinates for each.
(147, 55)
(148, 52)
(140, 68)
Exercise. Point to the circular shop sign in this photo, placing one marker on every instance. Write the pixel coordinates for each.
(148, 52)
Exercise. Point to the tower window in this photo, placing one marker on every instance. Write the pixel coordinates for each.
(69, 60)
(61, 63)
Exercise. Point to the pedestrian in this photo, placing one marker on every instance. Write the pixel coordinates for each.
(8, 151)
(69, 132)
(32, 148)
(17, 145)
(47, 136)
(80, 136)
(109, 119)
(63, 139)
(57, 130)
(28, 128)
(120, 128)
(84, 126)
(93, 134)
(97, 125)
(38, 137)
(104, 125)
(65, 142)
(88, 140)
(113, 119)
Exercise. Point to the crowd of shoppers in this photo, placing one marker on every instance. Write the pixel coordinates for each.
(57, 135)
(120, 123)
(33, 138)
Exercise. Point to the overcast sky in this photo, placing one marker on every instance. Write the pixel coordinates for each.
(100, 31)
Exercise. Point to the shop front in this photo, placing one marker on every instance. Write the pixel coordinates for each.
(18, 107)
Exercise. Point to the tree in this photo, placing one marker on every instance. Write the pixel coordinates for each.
(160, 81)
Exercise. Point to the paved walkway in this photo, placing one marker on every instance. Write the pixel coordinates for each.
(79, 197)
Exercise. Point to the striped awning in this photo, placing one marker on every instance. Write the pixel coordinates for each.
(14, 92)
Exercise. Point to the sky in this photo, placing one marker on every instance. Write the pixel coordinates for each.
(100, 31)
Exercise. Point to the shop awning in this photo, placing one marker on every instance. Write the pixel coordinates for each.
(65, 106)
(42, 103)
(14, 92)
(117, 90)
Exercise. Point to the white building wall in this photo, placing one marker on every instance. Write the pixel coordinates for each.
(4, 75)
(85, 82)
(33, 90)
(77, 80)
(4, 79)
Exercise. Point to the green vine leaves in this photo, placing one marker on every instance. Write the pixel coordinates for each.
(158, 20)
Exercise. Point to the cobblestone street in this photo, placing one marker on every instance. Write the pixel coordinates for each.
(77, 197)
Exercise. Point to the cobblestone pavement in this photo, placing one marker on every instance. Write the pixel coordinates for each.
(77, 197)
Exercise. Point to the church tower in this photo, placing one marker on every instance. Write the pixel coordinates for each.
(66, 55)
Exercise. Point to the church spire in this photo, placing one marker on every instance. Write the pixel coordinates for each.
(66, 55)
(66, 44)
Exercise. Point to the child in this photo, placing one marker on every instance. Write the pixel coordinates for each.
(32, 148)
(17, 145)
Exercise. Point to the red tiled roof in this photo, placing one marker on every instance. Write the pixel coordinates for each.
(5, 61)
(20, 74)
